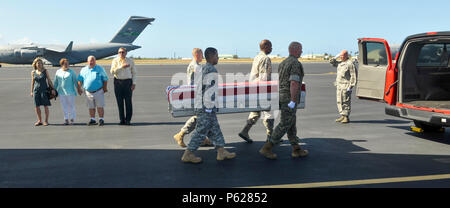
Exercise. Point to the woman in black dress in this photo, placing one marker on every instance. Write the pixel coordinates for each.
(40, 81)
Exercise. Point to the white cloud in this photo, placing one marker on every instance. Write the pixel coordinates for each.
(24, 40)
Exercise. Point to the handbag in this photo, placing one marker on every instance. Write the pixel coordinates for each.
(49, 93)
(49, 90)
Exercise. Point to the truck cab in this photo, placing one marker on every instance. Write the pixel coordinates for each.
(415, 85)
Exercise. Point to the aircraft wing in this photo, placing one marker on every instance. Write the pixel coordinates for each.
(52, 53)
(52, 48)
(58, 48)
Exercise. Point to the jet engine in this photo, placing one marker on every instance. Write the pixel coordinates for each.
(26, 53)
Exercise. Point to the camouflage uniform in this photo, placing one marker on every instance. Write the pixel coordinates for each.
(189, 126)
(345, 78)
(261, 71)
(190, 72)
(290, 69)
(207, 123)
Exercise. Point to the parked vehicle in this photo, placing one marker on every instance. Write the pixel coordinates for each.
(415, 85)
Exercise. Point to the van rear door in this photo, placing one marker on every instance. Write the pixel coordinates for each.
(374, 60)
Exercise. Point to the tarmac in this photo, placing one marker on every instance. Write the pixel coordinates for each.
(374, 150)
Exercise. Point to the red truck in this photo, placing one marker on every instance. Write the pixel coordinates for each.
(415, 84)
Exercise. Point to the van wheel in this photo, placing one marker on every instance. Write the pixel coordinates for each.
(427, 126)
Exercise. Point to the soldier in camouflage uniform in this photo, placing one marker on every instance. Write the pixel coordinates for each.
(261, 71)
(345, 81)
(205, 110)
(193, 67)
(290, 81)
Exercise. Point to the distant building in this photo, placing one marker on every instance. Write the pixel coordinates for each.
(226, 56)
(274, 56)
(313, 56)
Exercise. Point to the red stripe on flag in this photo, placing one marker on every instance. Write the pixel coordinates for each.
(225, 92)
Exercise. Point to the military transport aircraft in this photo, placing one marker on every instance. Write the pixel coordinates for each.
(25, 54)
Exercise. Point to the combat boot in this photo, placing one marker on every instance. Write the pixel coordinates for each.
(244, 133)
(345, 120)
(189, 157)
(298, 152)
(269, 123)
(266, 151)
(340, 119)
(223, 154)
(179, 138)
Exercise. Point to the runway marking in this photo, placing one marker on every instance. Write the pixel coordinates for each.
(154, 76)
(359, 182)
(149, 76)
(162, 76)
(11, 79)
(321, 74)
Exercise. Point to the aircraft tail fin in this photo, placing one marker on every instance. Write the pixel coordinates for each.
(132, 29)
(69, 47)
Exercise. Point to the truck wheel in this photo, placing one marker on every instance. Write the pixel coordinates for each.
(427, 126)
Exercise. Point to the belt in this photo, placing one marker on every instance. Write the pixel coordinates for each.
(95, 90)
(122, 79)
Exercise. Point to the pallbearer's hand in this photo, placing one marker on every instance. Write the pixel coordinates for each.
(133, 86)
(291, 105)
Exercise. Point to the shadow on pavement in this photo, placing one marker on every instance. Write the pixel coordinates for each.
(441, 137)
(132, 124)
(330, 159)
(385, 121)
(156, 123)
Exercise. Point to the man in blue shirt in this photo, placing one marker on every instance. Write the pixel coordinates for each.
(94, 81)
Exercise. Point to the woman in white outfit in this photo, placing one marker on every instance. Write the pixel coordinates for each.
(65, 84)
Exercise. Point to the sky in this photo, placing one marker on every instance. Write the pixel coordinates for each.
(230, 26)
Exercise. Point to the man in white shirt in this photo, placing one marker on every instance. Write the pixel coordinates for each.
(124, 72)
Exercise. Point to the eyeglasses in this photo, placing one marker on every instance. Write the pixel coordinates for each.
(122, 52)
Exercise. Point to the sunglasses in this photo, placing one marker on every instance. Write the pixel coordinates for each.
(122, 52)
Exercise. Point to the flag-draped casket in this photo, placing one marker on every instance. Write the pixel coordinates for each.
(232, 98)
